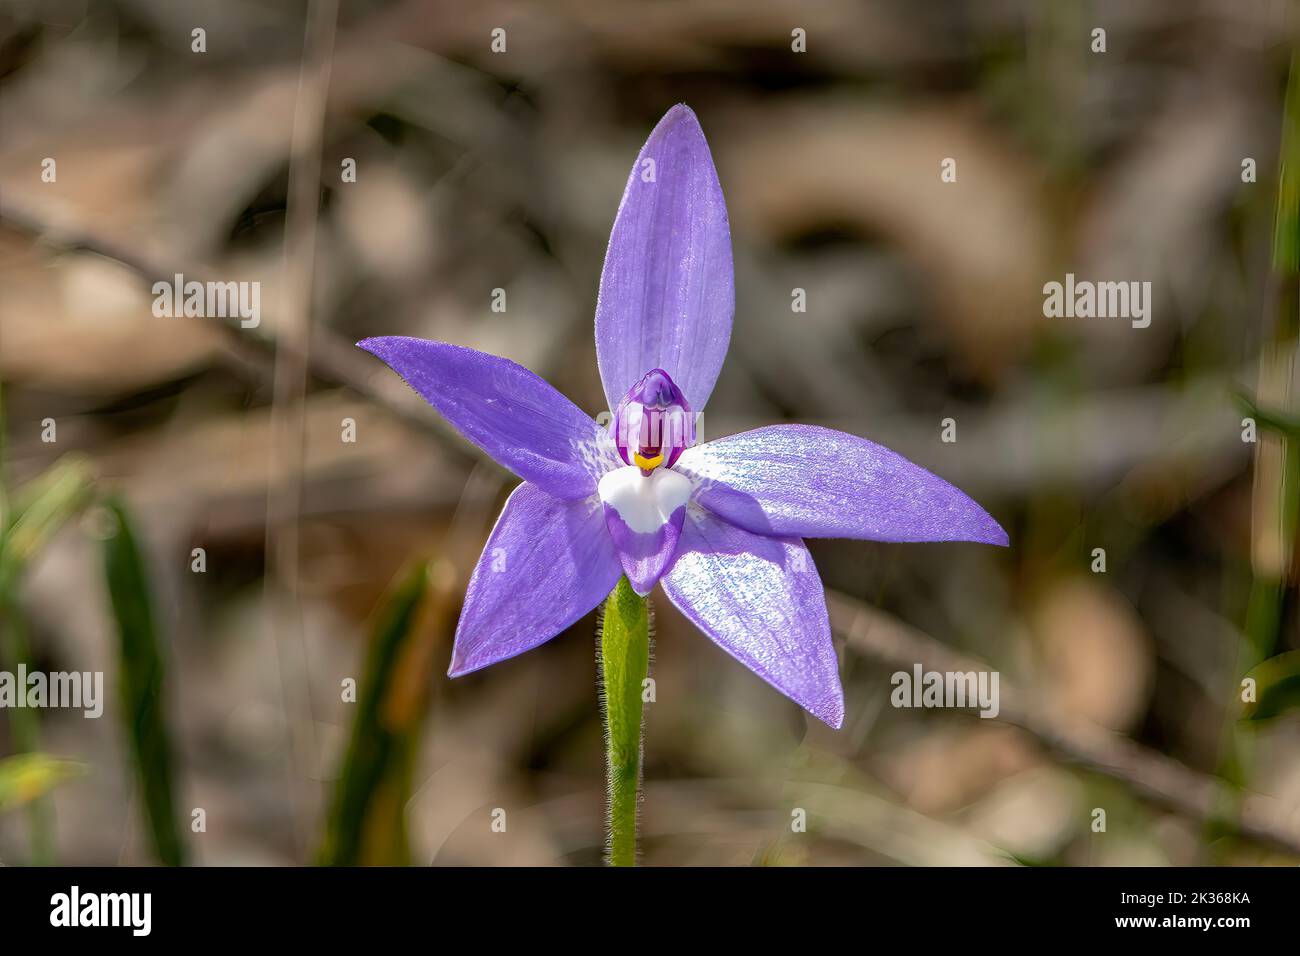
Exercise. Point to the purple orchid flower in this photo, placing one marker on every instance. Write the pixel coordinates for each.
(719, 524)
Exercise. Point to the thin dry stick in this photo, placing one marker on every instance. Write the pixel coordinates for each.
(284, 497)
(877, 634)
(331, 358)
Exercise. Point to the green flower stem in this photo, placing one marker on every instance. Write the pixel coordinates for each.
(624, 664)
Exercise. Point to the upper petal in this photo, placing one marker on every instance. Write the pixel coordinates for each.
(760, 599)
(546, 564)
(506, 410)
(817, 483)
(666, 291)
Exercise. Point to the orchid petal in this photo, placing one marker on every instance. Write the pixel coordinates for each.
(546, 564)
(507, 411)
(667, 290)
(813, 482)
(760, 599)
(644, 516)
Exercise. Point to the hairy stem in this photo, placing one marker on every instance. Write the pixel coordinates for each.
(624, 664)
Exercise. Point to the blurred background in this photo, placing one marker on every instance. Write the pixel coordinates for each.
(272, 602)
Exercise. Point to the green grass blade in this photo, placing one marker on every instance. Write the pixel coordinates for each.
(39, 509)
(1282, 424)
(28, 520)
(366, 820)
(141, 672)
(1286, 225)
(1277, 687)
(25, 727)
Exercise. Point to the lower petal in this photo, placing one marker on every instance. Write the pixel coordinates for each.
(644, 515)
(546, 564)
(760, 599)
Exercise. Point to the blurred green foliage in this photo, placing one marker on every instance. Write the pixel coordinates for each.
(39, 509)
(366, 821)
(141, 670)
(27, 777)
(1277, 687)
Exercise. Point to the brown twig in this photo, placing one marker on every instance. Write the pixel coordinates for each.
(284, 497)
(331, 358)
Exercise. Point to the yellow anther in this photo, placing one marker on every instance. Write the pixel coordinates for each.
(648, 464)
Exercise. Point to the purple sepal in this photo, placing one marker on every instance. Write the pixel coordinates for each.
(813, 482)
(667, 290)
(546, 564)
(760, 599)
(520, 420)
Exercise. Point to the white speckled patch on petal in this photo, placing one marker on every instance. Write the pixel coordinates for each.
(644, 515)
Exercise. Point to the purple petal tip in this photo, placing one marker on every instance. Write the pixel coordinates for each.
(833, 715)
(679, 113)
(991, 533)
(375, 345)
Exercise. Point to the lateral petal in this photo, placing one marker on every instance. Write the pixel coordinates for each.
(761, 600)
(546, 564)
(511, 414)
(813, 482)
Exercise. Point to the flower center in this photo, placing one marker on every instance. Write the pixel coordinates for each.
(653, 424)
